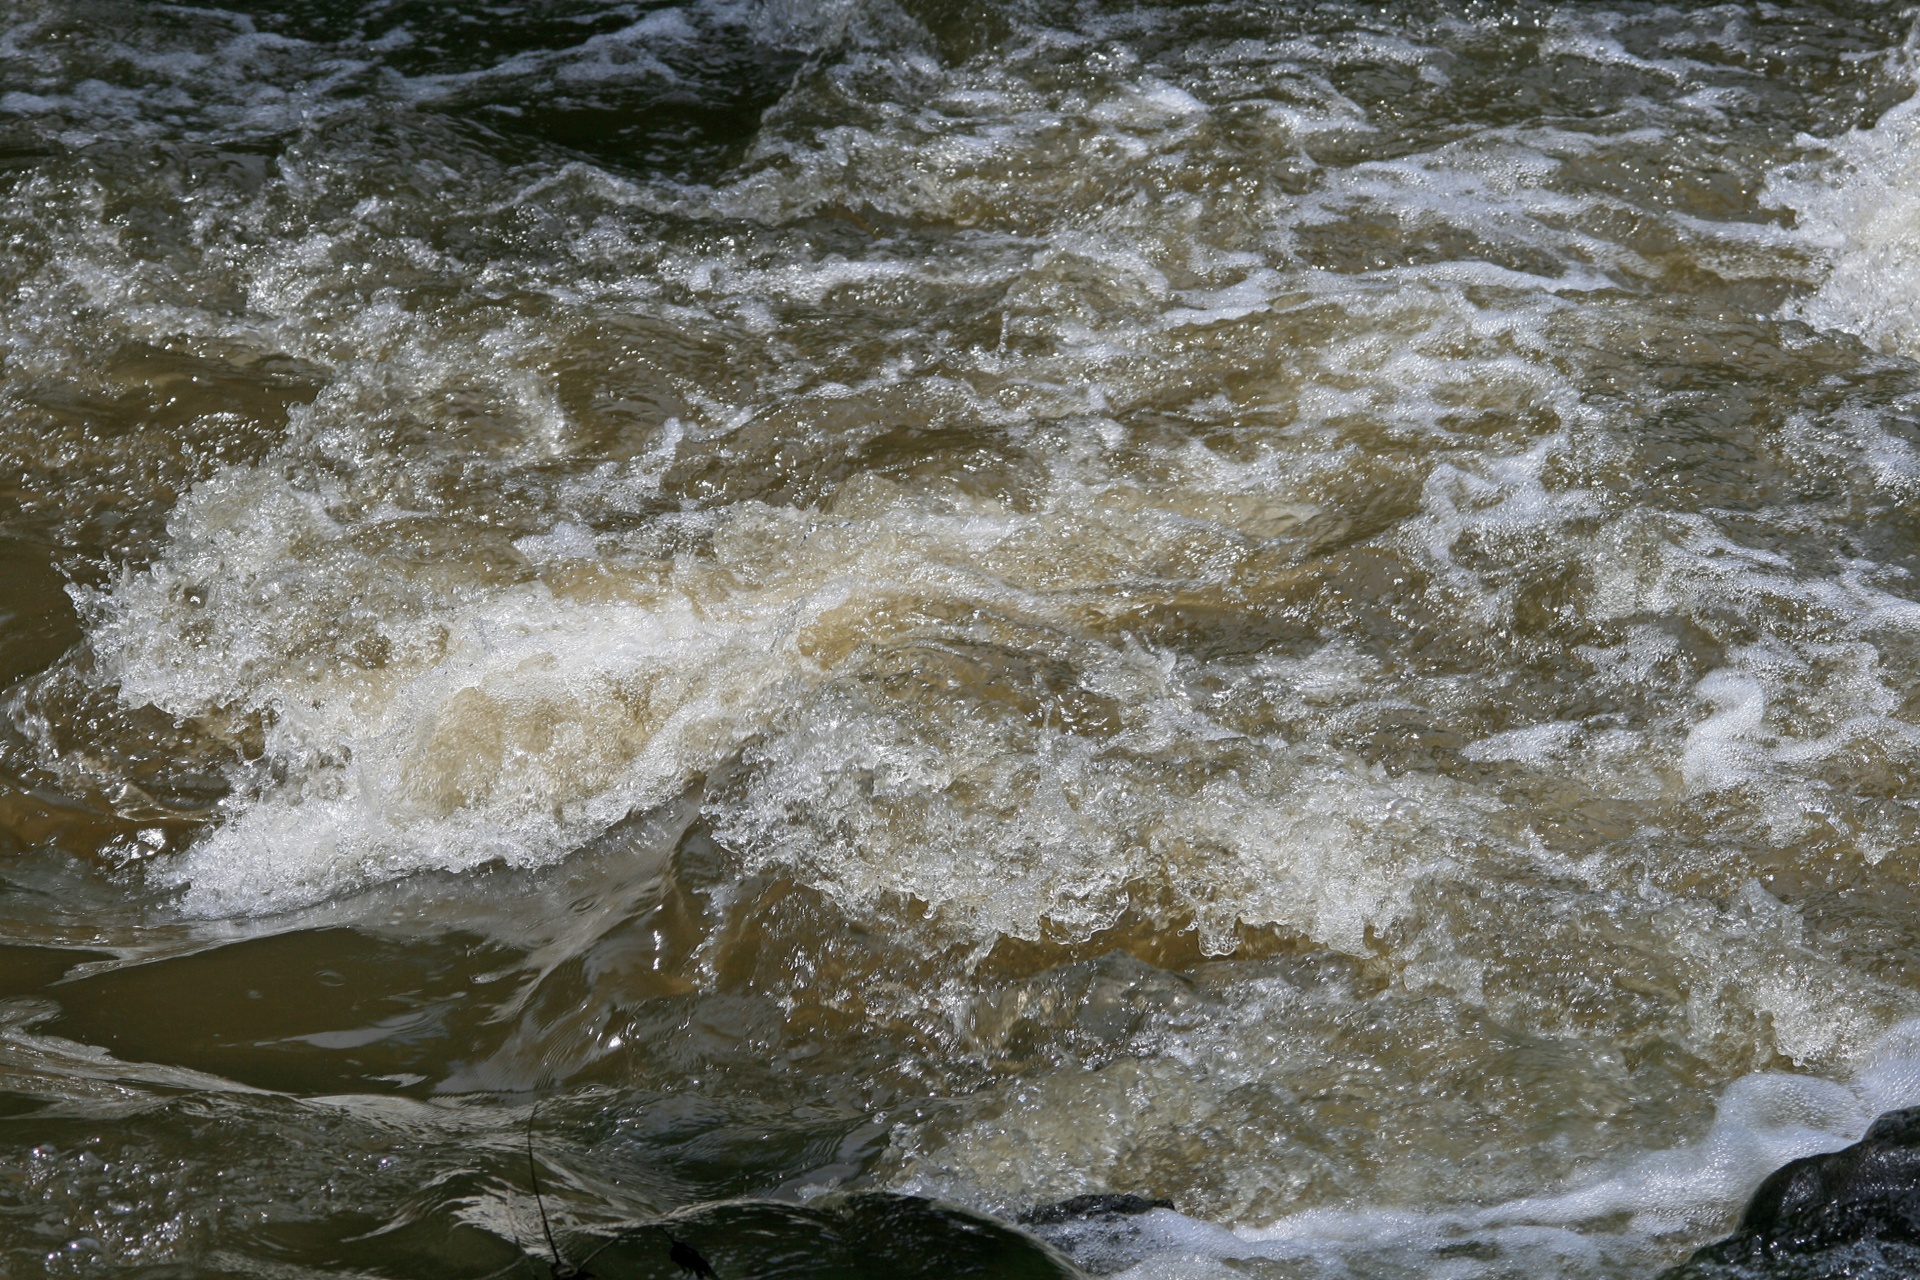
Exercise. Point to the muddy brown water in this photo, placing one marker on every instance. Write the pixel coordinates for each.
(898, 611)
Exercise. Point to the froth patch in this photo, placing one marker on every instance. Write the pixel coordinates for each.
(1649, 1209)
(417, 715)
(911, 679)
(542, 723)
(881, 803)
(1861, 213)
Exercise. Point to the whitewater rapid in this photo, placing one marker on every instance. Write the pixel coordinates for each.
(1311, 613)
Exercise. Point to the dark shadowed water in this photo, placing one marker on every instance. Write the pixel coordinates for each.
(1307, 610)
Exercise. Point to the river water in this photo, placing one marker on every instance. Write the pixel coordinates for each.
(1307, 610)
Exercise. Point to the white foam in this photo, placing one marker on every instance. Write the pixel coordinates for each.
(1534, 744)
(1666, 1197)
(512, 722)
(1719, 750)
(1595, 37)
(1859, 211)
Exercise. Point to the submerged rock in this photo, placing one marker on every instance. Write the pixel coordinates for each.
(837, 1237)
(1100, 1232)
(1092, 1206)
(1852, 1214)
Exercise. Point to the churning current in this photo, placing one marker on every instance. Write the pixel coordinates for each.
(1305, 610)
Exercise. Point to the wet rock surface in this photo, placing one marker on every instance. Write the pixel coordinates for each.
(1078, 1208)
(836, 1237)
(1102, 1232)
(1852, 1214)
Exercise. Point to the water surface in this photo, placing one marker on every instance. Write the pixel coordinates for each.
(1305, 610)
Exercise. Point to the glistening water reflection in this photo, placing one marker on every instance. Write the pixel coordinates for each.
(1306, 611)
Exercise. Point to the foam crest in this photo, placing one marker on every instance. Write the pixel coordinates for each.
(428, 725)
(1084, 830)
(1860, 212)
(435, 718)
(1761, 1122)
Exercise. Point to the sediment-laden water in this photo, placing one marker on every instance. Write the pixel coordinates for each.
(1308, 610)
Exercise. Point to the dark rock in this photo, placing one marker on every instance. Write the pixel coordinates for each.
(1099, 1232)
(690, 1260)
(856, 1236)
(1089, 1207)
(1852, 1214)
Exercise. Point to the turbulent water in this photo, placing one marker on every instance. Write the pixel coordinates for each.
(1308, 610)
